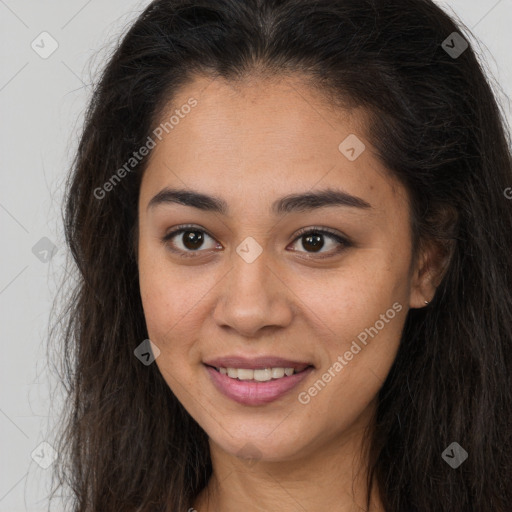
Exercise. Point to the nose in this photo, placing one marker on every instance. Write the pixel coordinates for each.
(253, 298)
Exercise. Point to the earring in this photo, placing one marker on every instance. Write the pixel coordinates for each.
(426, 302)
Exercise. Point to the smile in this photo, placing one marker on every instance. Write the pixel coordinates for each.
(256, 386)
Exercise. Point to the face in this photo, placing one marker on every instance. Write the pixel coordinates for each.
(263, 280)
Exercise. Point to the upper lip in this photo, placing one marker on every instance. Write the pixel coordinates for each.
(256, 363)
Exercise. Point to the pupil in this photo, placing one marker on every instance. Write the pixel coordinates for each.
(193, 239)
(315, 240)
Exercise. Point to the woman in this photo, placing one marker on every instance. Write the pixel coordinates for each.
(293, 235)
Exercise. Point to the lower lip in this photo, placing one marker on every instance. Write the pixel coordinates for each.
(249, 392)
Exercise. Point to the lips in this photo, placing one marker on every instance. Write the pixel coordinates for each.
(256, 381)
(251, 393)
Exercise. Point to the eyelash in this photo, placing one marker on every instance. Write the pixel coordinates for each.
(344, 242)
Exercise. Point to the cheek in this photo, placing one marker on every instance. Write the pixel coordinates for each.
(354, 296)
(156, 298)
(160, 296)
(165, 311)
(173, 304)
(359, 314)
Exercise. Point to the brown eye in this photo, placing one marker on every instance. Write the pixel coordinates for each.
(187, 240)
(313, 241)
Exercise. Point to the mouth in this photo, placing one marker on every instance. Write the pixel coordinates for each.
(256, 381)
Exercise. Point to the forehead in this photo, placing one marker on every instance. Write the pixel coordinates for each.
(283, 115)
(260, 139)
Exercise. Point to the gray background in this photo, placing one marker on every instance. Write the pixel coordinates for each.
(41, 103)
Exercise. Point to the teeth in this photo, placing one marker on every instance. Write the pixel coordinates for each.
(277, 373)
(244, 374)
(260, 375)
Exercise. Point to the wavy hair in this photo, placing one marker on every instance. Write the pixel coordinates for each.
(129, 445)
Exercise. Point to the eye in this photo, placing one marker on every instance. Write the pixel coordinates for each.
(313, 238)
(192, 240)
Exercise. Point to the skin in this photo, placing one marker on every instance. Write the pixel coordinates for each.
(252, 143)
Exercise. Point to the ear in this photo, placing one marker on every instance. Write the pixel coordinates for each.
(428, 272)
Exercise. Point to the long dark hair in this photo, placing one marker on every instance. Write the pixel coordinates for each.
(435, 124)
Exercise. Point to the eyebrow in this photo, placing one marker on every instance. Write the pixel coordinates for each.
(288, 204)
